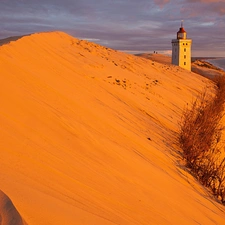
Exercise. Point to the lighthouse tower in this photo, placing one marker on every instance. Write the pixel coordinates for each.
(181, 49)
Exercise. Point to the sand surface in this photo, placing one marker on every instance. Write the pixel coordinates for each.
(88, 136)
(163, 59)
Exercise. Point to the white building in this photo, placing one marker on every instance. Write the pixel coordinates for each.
(181, 50)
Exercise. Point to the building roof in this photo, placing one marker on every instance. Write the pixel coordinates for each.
(181, 30)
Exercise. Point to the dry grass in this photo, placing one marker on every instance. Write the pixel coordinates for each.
(200, 134)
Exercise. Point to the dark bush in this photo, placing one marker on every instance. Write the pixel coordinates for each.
(200, 135)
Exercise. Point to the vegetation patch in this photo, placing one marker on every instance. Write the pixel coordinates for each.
(200, 138)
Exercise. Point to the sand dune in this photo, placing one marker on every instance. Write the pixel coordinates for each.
(163, 59)
(89, 136)
(206, 69)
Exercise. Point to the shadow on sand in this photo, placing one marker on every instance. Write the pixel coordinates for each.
(9, 39)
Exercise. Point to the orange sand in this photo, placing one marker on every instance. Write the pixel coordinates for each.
(88, 136)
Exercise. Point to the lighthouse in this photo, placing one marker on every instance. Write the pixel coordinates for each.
(181, 49)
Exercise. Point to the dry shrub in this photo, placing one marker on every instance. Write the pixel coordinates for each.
(199, 137)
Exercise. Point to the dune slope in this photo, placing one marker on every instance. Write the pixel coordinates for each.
(88, 136)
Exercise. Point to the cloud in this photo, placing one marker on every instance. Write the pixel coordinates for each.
(161, 3)
(206, 6)
(128, 24)
(204, 1)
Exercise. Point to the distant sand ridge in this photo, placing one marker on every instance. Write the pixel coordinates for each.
(198, 66)
(89, 136)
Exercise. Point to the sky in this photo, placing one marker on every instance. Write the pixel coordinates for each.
(127, 25)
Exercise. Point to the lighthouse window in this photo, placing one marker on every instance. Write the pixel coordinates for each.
(184, 63)
(185, 49)
(185, 56)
